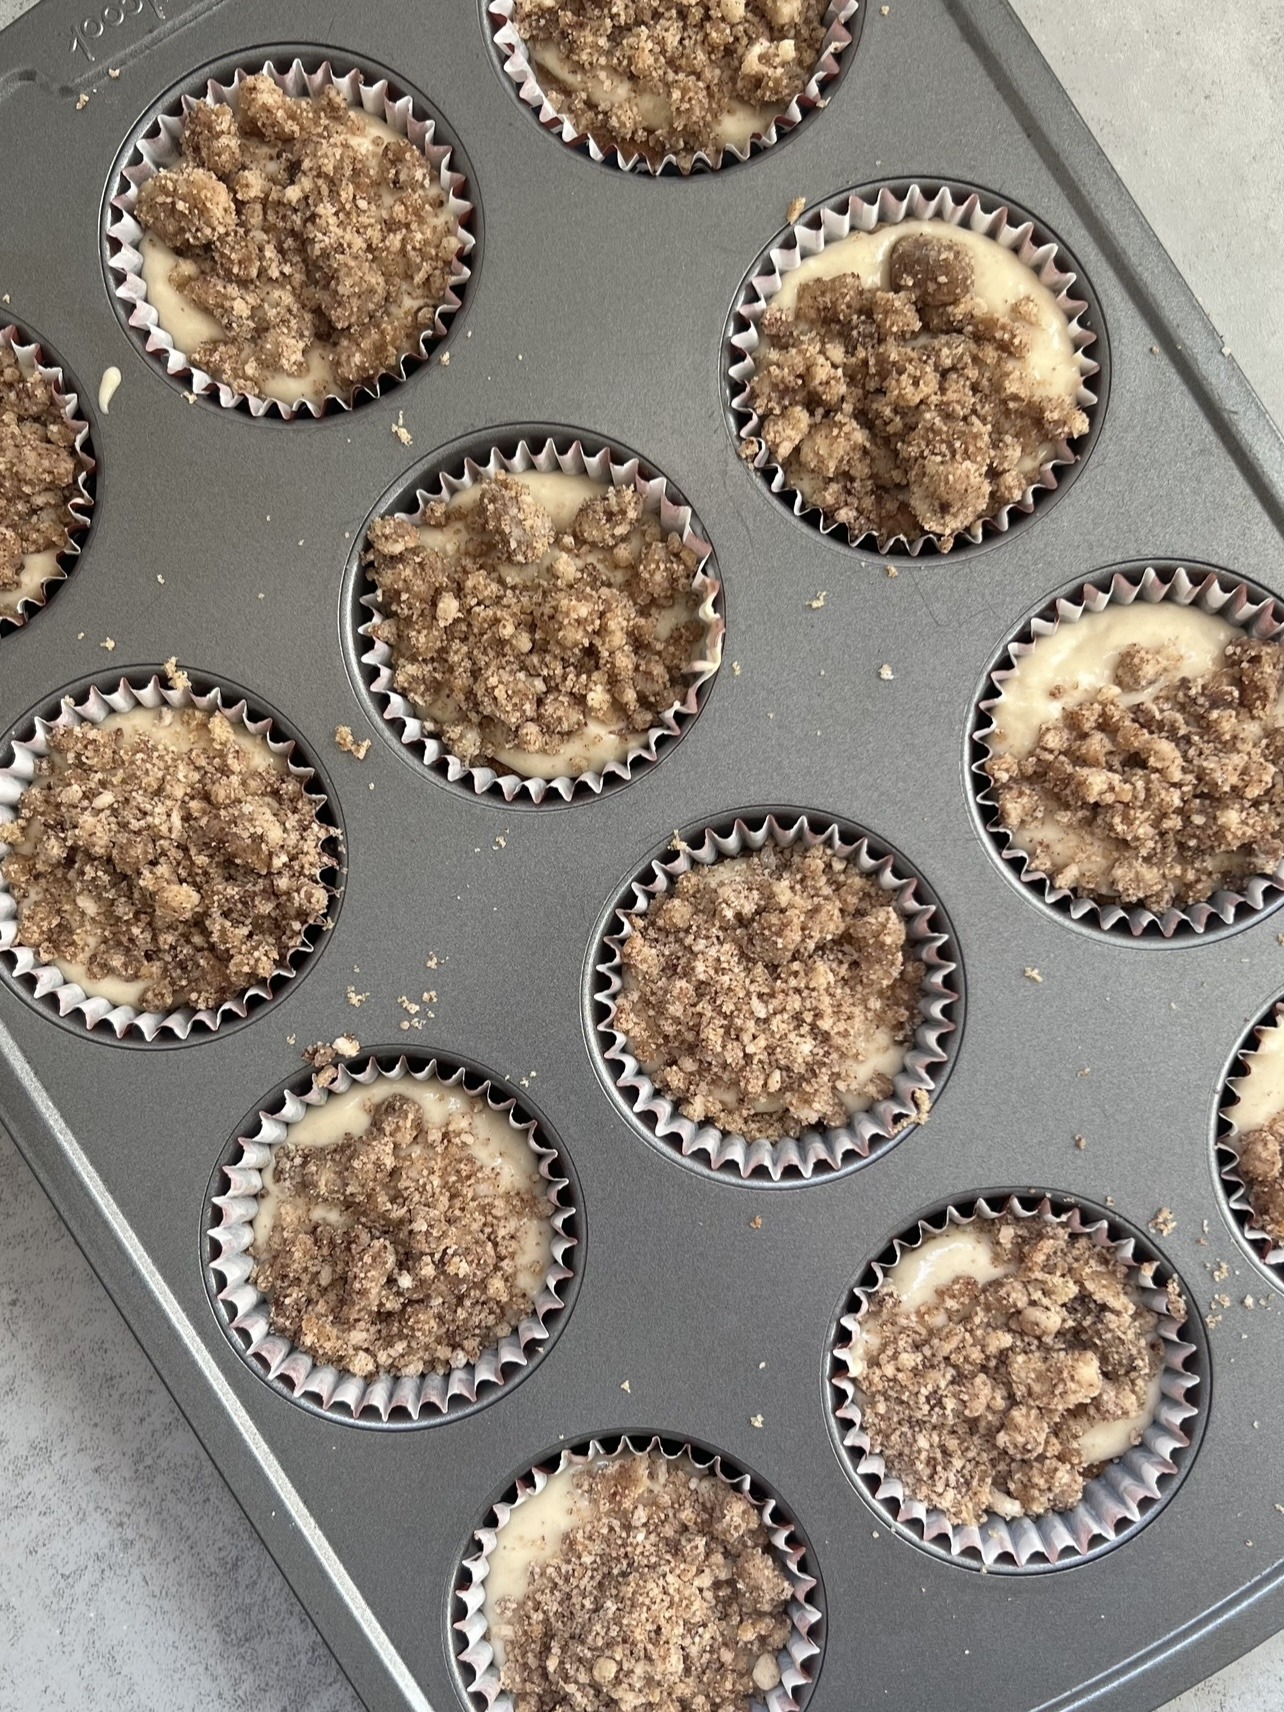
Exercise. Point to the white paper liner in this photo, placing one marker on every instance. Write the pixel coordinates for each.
(159, 148)
(839, 219)
(525, 78)
(45, 981)
(339, 1393)
(799, 1660)
(1269, 1249)
(1214, 592)
(1113, 1505)
(570, 457)
(31, 358)
(815, 1150)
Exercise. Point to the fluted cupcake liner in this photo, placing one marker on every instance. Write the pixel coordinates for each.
(815, 1150)
(798, 1661)
(159, 148)
(519, 66)
(840, 218)
(245, 1313)
(46, 982)
(1217, 593)
(1115, 1504)
(1268, 1247)
(28, 600)
(417, 732)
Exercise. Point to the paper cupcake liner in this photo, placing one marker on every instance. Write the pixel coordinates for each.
(1268, 1249)
(799, 1659)
(45, 982)
(416, 732)
(814, 1151)
(1114, 1505)
(514, 57)
(337, 1393)
(30, 357)
(159, 148)
(838, 219)
(1225, 597)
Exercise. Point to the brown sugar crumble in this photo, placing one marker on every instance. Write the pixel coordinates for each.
(665, 1595)
(37, 469)
(1261, 1165)
(398, 1250)
(977, 1399)
(184, 865)
(525, 639)
(759, 988)
(305, 234)
(670, 78)
(1178, 794)
(907, 411)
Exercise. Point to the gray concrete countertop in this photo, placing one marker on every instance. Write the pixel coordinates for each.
(113, 1516)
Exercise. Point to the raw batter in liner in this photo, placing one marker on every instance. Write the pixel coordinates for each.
(674, 79)
(402, 1228)
(1138, 754)
(915, 379)
(587, 1573)
(38, 474)
(1258, 1133)
(541, 622)
(301, 247)
(1001, 1363)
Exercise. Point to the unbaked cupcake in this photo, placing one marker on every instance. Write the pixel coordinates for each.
(1001, 1364)
(165, 858)
(914, 380)
(540, 622)
(300, 248)
(1257, 1137)
(771, 993)
(1137, 755)
(39, 476)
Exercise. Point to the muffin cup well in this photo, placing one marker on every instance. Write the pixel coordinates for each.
(840, 29)
(30, 358)
(1268, 1249)
(244, 1311)
(1114, 1504)
(1214, 592)
(840, 218)
(815, 1151)
(570, 458)
(799, 1660)
(160, 148)
(45, 981)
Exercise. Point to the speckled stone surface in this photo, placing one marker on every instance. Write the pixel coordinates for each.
(111, 1515)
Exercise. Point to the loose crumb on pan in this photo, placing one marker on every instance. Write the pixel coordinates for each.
(755, 988)
(977, 1399)
(908, 411)
(665, 1595)
(1261, 1165)
(189, 868)
(347, 742)
(1183, 790)
(37, 468)
(525, 635)
(395, 1251)
(684, 69)
(300, 238)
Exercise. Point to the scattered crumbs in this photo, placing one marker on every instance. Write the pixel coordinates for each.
(300, 541)
(749, 449)
(1220, 1271)
(404, 1027)
(82, 101)
(1226, 351)
(501, 843)
(109, 645)
(625, 1386)
(1222, 1300)
(735, 672)
(159, 577)
(755, 1223)
(678, 842)
(884, 10)
(1164, 1222)
(1110, 1200)
(291, 1040)
(1280, 1508)
(190, 397)
(1081, 1141)
(885, 672)
(1250, 1303)
(819, 601)
(431, 961)
(891, 570)
(80, 636)
(1086, 1071)
(5, 298)
(1154, 350)
(469, 334)
(445, 358)
(795, 208)
(1204, 1227)
(520, 357)
(113, 71)
(400, 430)
(262, 596)
(756, 1421)
(1033, 975)
(356, 999)
(346, 1045)
(761, 1365)
(176, 675)
(408, 1005)
(430, 998)
(348, 743)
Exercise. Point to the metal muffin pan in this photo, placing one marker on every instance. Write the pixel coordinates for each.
(601, 303)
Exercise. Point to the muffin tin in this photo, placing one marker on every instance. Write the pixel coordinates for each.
(602, 304)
